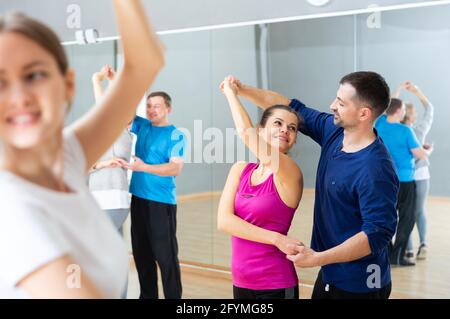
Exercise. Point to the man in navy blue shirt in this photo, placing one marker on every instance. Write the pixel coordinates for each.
(356, 189)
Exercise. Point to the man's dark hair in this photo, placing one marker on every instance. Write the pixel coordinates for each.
(371, 89)
(394, 106)
(162, 94)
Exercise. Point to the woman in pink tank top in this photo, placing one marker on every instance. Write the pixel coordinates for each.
(259, 200)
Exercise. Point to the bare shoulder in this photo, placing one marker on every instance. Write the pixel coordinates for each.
(237, 168)
(289, 169)
(234, 176)
(300, 175)
(289, 185)
(292, 176)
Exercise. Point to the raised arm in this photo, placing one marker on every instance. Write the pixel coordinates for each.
(317, 125)
(106, 72)
(423, 124)
(98, 78)
(269, 155)
(260, 97)
(143, 59)
(228, 222)
(402, 86)
(411, 87)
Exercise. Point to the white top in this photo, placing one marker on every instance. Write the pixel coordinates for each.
(112, 199)
(422, 173)
(40, 225)
(110, 185)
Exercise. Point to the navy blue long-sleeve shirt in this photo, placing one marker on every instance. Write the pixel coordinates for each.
(354, 192)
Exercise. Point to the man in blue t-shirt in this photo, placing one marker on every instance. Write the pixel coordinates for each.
(159, 151)
(404, 147)
(356, 189)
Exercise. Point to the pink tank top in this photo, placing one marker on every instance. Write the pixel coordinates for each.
(254, 265)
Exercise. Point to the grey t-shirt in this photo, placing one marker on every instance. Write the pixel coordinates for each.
(113, 178)
(421, 128)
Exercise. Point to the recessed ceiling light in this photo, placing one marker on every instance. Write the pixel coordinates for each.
(318, 3)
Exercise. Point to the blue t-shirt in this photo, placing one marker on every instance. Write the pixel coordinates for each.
(354, 192)
(399, 140)
(156, 145)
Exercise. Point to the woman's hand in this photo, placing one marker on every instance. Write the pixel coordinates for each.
(411, 87)
(100, 75)
(305, 257)
(230, 85)
(105, 72)
(111, 163)
(110, 73)
(429, 148)
(286, 244)
(403, 86)
(137, 166)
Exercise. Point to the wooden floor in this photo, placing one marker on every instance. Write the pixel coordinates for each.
(201, 244)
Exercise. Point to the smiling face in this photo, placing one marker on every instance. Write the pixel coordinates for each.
(33, 92)
(157, 110)
(347, 110)
(280, 129)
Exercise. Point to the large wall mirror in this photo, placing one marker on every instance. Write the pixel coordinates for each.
(303, 59)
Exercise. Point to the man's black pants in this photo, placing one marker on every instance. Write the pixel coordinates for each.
(153, 237)
(323, 291)
(406, 207)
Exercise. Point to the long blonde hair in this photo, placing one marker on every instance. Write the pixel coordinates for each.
(409, 109)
